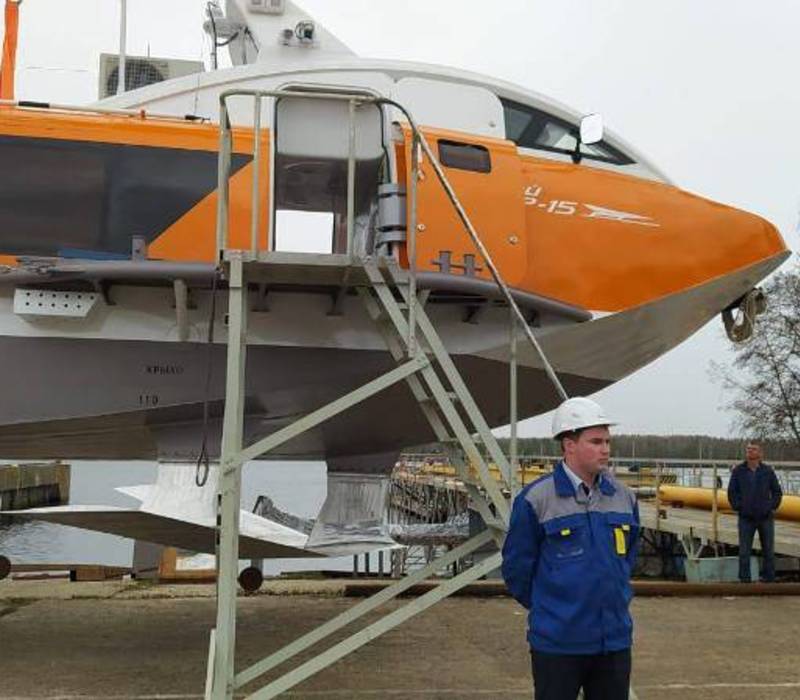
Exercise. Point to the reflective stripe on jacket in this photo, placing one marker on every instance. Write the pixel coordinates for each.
(568, 559)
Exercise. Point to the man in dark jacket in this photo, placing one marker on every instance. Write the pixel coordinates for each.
(755, 494)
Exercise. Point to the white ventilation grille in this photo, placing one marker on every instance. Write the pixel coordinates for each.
(141, 71)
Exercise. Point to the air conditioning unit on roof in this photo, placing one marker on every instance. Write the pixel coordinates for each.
(141, 71)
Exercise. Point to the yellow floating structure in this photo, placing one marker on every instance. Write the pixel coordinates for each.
(696, 497)
(528, 472)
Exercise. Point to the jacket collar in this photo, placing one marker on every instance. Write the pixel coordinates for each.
(761, 466)
(565, 488)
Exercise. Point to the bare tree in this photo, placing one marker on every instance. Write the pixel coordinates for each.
(765, 377)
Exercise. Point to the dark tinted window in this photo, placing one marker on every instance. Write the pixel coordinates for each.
(532, 128)
(62, 195)
(465, 156)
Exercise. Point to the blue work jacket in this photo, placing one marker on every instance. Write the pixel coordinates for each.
(568, 559)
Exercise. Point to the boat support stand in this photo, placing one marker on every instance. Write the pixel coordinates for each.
(392, 301)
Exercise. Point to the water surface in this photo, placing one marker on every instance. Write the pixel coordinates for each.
(296, 487)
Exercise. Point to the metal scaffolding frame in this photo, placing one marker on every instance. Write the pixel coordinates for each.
(390, 296)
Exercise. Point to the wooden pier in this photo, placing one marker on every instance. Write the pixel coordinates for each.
(429, 490)
(34, 485)
(699, 524)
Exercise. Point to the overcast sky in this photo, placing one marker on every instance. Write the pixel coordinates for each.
(706, 89)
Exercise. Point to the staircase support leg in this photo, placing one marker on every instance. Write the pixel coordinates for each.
(230, 483)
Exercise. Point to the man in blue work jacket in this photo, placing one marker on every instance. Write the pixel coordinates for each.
(755, 494)
(567, 558)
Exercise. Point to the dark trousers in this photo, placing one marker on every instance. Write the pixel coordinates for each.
(766, 535)
(561, 676)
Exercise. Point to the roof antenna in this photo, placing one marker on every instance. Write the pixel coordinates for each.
(123, 31)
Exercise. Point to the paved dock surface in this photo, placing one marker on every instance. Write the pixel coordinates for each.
(113, 640)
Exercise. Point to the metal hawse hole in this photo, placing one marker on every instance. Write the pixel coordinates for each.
(465, 156)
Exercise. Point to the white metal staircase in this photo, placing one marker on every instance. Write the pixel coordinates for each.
(390, 296)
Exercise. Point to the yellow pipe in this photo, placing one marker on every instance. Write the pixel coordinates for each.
(526, 474)
(696, 497)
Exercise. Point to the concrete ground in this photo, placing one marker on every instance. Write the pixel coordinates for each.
(62, 640)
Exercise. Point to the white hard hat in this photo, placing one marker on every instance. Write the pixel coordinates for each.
(577, 413)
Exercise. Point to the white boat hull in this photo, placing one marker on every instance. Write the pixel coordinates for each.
(121, 385)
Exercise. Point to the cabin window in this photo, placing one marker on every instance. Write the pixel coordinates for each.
(529, 127)
(465, 156)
